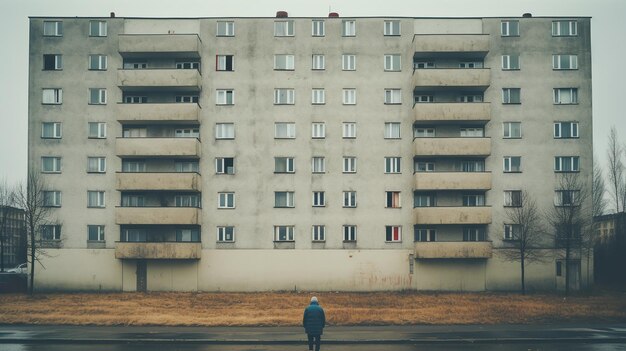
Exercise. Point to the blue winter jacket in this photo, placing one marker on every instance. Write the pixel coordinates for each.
(314, 319)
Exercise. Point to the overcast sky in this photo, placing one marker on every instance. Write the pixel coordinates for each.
(608, 38)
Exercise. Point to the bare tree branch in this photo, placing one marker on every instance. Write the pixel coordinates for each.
(617, 182)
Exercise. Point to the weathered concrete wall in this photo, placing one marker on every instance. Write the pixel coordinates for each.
(452, 146)
(453, 181)
(164, 147)
(158, 215)
(452, 111)
(452, 77)
(450, 275)
(453, 215)
(159, 181)
(158, 251)
(458, 249)
(450, 26)
(164, 112)
(159, 78)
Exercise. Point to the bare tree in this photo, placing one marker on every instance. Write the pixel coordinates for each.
(598, 208)
(617, 183)
(30, 197)
(524, 222)
(7, 201)
(569, 217)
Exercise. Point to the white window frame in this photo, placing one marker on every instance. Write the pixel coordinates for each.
(392, 130)
(97, 62)
(186, 166)
(348, 28)
(288, 233)
(226, 200)
(472, 132)
(52, 28)
(349, 96)
(507, 164)
(349, 164)
(561, 162)
(225, 29)
(318, 233)
(473, 200)
(318, 62)
(58, 62)
(190, 200)
(96, 164)
(393, 62)
(507, 98)
(100, 199)
(318, 96)
(133, 166)
(52, 96)
(425, 235)
(289, 197)
(51, 198)
(512, 198)
(289, 131)
(54, 128)
(100, 129)
(424, 166)
(471, 64)
(574, 196)
(572, 28)
(284, 62)
(318, 130)
(318, 28)
(98, 231)
(348, 62)
(571, 61)
(225, 97)
(392, 28)
(423, 65)
(511, 231)
(284, 28)
(565, 96)
(289, 163)
(221, 63)
(224, 131)
(188, 64)
(349, 199)
(97, 96)
(97, 28)
(223, 234)
(393, 199)
(186, 99)
(393, 96)
(222, 168)
(389, 230)
(392, 164)
(319, 199)
(349, 232)
(511, 62)
(421, 99)
(55, 230)
(348, 130)
(424, 132)
(55, 165)
(318, 164)
(510, 28)
(284, 96)
(558, 130)
(507, 129)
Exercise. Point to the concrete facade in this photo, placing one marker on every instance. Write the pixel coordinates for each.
(213, 136)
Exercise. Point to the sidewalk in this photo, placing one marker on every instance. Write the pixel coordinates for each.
(22, 334)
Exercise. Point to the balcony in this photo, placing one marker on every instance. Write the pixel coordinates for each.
(159, 181)
(452, 180)
(159, 79)
(164, 112)
(452, 112)
(158, 251)
(158, 147)
(456, 249)
(451, 43)
(453, 215)
(452, 146)
(177, 45)
(452, 77)
(158, 215)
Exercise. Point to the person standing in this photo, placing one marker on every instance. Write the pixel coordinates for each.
(314, 321)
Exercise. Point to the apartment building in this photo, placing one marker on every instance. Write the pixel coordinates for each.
(338, 153)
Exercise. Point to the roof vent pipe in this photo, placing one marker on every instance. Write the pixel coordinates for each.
(527, 15)
(333, 15)
(282, 14)
(112, 14)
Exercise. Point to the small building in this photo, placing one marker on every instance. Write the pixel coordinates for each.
(13, 229)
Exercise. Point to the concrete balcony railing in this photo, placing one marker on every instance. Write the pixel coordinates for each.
(456, 249)
(453, 215)
(452, 180)
(159, 181)
(452, 77)
(187, 79)
(158, 215)
(452, 111)
(165, 112)
(452, 146)
(158, 147)
(450, 43)
(158, 251)
(186, 45)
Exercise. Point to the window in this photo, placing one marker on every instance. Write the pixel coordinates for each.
(224, 165)
(471, 64)
(97, 130)
(392, 130)
(135, 64)
(284, 165)
(96, 164)
(348, 130)
(133, 166)
(509, 28)
(348, 28)
(559, 268)
(392, 27)
(224, 131)
(349, 96)
(424, 234)
(51, 198)
(424, 199)
(51, 232)
(134, 132)
(225, 63)
(512, 130)
(97, 28)
(187, 201)
(283, 199)
(97, 62)
(393, 96)
(349, 164)
(470, 98)
(52, 28)
(50, 164)
(134, 235)
(187, 133)
(511, 95)
(564, 130)
(284, 62)
(472, 166)
(564, 61)
(187, 235)
(473, 200)
(424, 132)
(226, 234)
(133, 200)
(97, 96)
(318, 233)
(284, 130)
(564, 28)
(348, 62)
(318, 97)
(392, 164)
(512, 164)
(421, 65)
(284, 96)
(510, 62)
(566, 197)
(186, 166)
(349, 199)
(318, 29)
(283, 28)
(51, 130)
(511, 231)
(393, 233)
(512, 198)
(225, 29)
(95, 198)
(52, 62)
(95, 233)
(224, 97)
(318, 164)
(424, 166)
(474, 234)
(186, 99)
(392, 199)
(318, 130)
(283, 233)
(187, 65)
(423, 98)
(472, 132)
(565, 96)
(318, 62)
(52, 96)
(566, 164)
(226, 200)
(393, 62)
(319, 199)
(349, 233)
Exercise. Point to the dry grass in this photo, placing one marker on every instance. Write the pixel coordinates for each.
(285, 309)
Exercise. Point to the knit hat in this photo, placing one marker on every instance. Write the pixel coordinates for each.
(314, 299)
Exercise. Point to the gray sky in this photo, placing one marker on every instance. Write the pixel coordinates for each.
(608, 37)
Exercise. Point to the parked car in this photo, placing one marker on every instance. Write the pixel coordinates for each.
(21, 268)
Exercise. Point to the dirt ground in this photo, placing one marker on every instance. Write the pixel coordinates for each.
(285, 308)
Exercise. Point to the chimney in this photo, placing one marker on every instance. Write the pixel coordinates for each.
(112, 14)
(282, 14)
(333, 15)
(527, 15)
